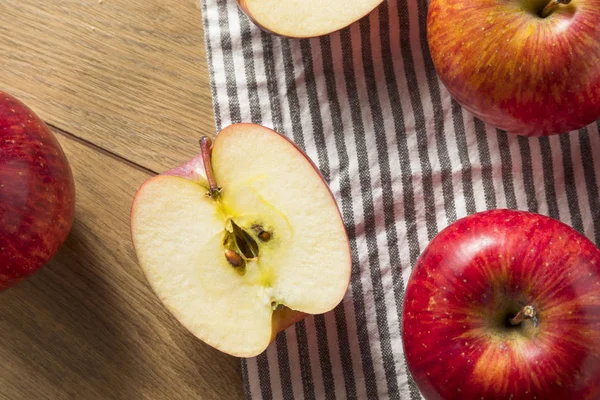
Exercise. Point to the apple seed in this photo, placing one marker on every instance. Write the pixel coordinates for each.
(264, 236)
(234, 258)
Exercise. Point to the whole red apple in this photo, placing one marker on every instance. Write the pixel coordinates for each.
(531, 67)
(37, 193)
(505, 305)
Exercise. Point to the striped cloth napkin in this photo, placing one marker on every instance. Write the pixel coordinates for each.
(403, 161)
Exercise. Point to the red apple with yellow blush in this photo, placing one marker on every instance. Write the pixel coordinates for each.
(531, 67)
(505, 305)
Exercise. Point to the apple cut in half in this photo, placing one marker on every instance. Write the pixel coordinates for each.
(242, 241)
(306, 18)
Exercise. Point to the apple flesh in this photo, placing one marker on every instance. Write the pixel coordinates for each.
(37, 193)
(238, 262)
(306, 18)
(520, 68)
(505, 305)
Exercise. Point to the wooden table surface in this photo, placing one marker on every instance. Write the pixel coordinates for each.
(124, 86)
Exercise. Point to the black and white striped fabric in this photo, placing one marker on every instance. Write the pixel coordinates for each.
(403, 161)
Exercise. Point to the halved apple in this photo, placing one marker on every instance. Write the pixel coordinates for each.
(238, 262)
(306, 18)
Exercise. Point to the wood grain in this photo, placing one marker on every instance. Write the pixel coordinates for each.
(127, 75)
(88, 326)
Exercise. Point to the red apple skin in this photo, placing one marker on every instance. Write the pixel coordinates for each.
(37, 193)
(192, 170)
(477, 273)
(517, 71)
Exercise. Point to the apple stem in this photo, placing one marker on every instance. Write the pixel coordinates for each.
(206, 149)
(528, 312)
(551, 6)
